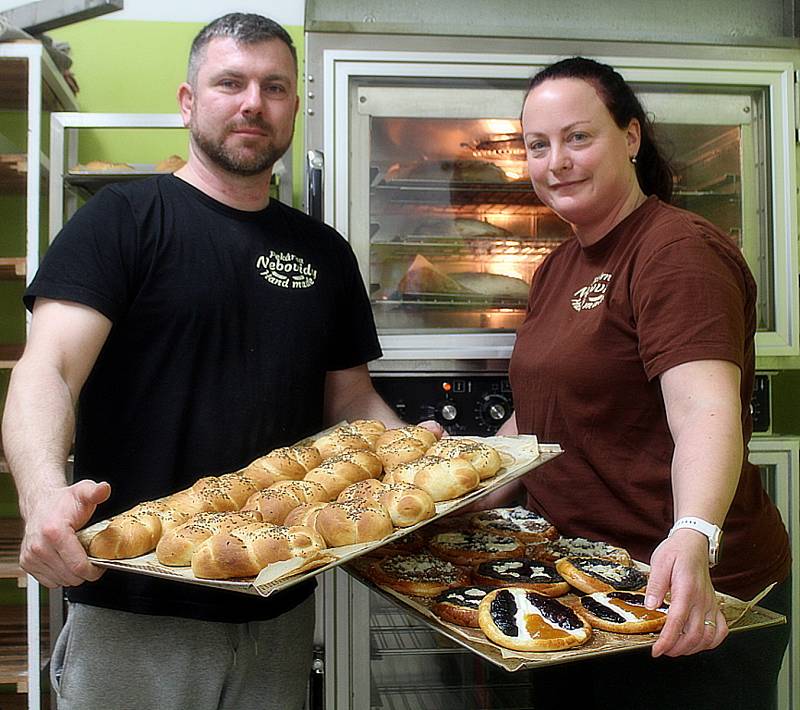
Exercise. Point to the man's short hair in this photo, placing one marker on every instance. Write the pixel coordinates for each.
(245, 28)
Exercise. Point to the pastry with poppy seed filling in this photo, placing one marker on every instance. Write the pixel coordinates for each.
(552, 550)
(523, 620)
(459, 606)
(471, 547)
(419, 575)
(519, 522)
(622, 612)
(523, 573)
(596, 574)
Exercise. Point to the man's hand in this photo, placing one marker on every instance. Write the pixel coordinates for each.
(50, 549)
(695, 623)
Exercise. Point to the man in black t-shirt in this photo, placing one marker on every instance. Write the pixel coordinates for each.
(197, 325)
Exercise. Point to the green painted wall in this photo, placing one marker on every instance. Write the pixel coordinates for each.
(136, 67)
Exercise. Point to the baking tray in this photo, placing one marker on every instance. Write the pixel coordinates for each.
(741, 616)
(521, 454)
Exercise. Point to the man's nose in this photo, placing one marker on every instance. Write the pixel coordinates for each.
(251, 98)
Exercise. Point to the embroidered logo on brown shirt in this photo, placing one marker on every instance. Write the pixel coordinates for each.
(593, 295)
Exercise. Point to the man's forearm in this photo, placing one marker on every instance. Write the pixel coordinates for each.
(38, 426)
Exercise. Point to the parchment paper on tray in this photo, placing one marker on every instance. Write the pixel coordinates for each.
(739, 615)
(520, 455)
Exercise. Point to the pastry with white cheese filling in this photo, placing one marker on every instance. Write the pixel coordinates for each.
(595, 574)
(521, 572)
(622, 612)
(460, 605)
(552, 550)
(519, 522)
(523, 620)
(419, 575)
(471, 547)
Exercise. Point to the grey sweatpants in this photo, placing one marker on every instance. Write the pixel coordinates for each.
(107, 659)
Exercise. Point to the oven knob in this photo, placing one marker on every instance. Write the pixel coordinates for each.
(494, 409)
(448, 411)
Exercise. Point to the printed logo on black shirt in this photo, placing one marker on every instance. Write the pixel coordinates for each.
(287, 270)
(593, 295)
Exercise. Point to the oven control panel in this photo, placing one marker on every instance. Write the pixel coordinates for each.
(479, 404)
(462, 404)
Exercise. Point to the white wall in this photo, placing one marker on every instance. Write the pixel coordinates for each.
(287, 12)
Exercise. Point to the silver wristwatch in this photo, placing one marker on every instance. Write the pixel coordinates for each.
(711, 531)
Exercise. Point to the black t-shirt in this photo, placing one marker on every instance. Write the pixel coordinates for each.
(224, 325)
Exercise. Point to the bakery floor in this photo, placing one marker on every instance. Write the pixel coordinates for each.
(415, 668)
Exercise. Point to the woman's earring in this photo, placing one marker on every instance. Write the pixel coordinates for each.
(633, 159)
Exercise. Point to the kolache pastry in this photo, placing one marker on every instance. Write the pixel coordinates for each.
(521, 572)
(483, 457)
(176, 547)
(622, 612)
(443, 479)
(519, 522)
(523, 620)
(246, 550)
(420, 575)
(595, 574)
(460, 605)
(471, 547)
(552, 550)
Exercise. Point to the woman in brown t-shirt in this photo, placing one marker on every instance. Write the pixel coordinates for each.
(637, 355)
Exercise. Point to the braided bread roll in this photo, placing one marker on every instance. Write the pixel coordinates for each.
(442, 478)
(338, 472)
(401, 451)
(340, 441)
(285, 463)
(369, 429)
(275, 503)
(134, 532)
(245, 551)
(305, 514)
(483, 457)
(407, 432)
(176, 547)
(406, 504)
(369, 489)
(351, 523)
(227, 492)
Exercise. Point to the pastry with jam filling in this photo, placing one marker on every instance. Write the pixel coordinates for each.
(518, 522)
(622, 612)
(523, 620)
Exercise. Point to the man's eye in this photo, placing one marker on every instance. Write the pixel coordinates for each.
(228, 84)
(276, 90)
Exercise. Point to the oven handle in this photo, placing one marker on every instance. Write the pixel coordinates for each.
(315, 163)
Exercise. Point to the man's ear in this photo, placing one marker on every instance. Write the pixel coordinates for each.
(186, 102)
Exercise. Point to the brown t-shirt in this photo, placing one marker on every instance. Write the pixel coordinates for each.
(664, 287)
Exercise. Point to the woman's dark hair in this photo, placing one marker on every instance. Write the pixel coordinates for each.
(652, 168)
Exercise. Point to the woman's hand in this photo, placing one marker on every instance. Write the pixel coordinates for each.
(679, 566)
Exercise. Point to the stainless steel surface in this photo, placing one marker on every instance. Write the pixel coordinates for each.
(45, 15)
(315, 163)
(713, 105)
(767, 23)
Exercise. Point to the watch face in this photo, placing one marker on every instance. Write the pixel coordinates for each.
(715, 548)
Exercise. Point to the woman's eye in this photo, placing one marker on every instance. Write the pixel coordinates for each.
(579, 137)
(536, 146)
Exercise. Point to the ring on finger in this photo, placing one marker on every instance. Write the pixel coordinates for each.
(709, 622)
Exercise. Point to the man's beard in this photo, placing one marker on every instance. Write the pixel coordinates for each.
(236, 162)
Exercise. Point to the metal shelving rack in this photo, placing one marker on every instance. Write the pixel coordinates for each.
(29, 82)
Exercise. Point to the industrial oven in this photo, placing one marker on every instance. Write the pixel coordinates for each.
(415, 155)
